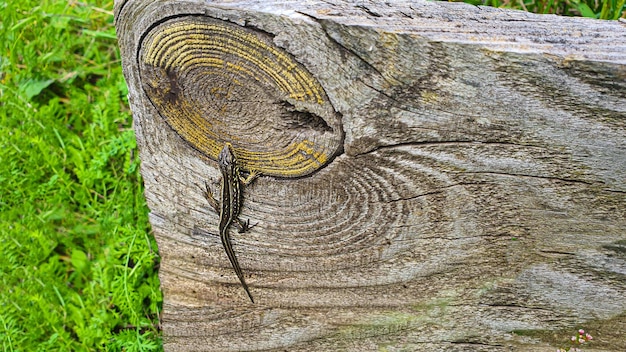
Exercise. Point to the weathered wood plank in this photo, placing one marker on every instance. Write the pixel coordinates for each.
(458, 181)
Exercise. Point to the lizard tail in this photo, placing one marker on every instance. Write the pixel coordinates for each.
(233, 261)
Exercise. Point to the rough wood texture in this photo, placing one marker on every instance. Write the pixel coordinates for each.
(463, 185)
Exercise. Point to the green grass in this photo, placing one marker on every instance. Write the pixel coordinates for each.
(601, 9)
(77, 263)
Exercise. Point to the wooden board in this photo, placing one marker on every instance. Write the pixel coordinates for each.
(438, 176)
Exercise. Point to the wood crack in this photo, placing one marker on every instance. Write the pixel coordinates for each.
(447, 142)
(553, 178)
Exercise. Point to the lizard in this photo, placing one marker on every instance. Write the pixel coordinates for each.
(231, 198)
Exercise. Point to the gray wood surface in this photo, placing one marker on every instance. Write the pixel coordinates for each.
(464, 189)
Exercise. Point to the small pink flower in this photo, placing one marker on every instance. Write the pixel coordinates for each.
(588, 337)
(573, 338)
(581, 331)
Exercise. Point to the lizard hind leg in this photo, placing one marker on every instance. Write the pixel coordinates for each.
(243, 226)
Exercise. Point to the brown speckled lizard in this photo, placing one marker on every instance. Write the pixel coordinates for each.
(232, 181)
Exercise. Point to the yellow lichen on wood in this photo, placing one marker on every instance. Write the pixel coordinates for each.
(195, 36)
(205, 77)
(294, 160)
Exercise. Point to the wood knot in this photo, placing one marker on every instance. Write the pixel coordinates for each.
(215, 82)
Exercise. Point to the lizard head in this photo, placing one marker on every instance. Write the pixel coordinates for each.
(226, 158)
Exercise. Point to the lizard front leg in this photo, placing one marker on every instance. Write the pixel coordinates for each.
(252, 175)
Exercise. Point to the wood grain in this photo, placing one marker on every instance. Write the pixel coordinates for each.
(473, 197)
